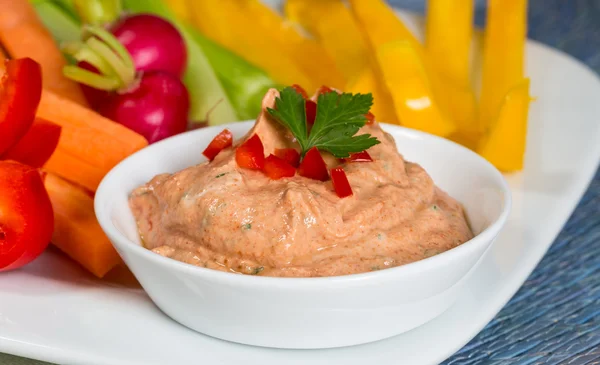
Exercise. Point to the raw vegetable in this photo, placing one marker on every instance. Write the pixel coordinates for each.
(22, 34)
(98, 12)
(153, 43)
(313, 166)
(90, 144)
(220, 142)
(289, 155)
(250, 154)
(504, 145)
(338, 119)
(340, 182)
(61, 24)
(76, 230)
(20, 91)
(277, 168)
(44, 136)
(154, 104)
(26, 219)
(209, 102)
(360, 157)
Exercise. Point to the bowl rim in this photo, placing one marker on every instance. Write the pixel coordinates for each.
(120, 241)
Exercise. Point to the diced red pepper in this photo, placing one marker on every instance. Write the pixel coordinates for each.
(370, 118)
(38, 144)
(324, 90)
(289, 155)
(300, 90)
(219, 143)
(313, 166)
(360, 157)
(340, 182)
(251, 154)
(20, 93)
(311, 112)
(277, 168)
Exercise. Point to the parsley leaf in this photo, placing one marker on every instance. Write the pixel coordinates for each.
(339, 117)
(292, 114)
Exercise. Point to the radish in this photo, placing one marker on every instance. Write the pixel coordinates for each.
(154, 104)
(153, 43)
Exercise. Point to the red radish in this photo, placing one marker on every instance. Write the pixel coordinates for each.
(251, 154)
(157, 108)
(93, 96)
(219, 143)
(276, 168)
(360, 157)
(340, 182)
(313, 166)
(154, 104)
(289, 155)
(154, 43)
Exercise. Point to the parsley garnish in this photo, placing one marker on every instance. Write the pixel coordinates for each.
(339, 117)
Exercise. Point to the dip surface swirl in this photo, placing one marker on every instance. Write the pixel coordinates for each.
(220, 216)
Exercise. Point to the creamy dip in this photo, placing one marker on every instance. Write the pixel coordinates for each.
(220, 216)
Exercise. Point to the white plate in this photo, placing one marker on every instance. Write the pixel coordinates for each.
(52, 311)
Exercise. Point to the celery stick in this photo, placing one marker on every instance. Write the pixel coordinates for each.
(62, 26)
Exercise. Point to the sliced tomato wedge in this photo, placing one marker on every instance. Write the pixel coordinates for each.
(313, 166)
(277, 168)
(26, 217)
(311, 112)
(300, 90)
(370, 118)
(44, 135)
(340, 182)
(20, 93)
(360, 157)
(251, 154)
(218, 144)
(289, 155)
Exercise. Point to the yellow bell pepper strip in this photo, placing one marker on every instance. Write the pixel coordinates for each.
(504, 145)
(449, 32)
(408, 83)
(223, 22)
(503, 58)
(181, 9)
(327, 19)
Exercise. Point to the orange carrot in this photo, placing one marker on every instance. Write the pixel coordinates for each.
(23, 35)
(90, 145)
(76, 230)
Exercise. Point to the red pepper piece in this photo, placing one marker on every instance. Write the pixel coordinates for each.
(289, 155)
(311, 112)
(300, 90)
(20, 93)
(324, 90)
(370, 118)
(340, 182)
(276, 168)
(313, 166)
(38, 144)
(251, 154)
(360, 157)
(219, 143)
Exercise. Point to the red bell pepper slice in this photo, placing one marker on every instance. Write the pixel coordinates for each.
(340, 182)
(370, 118)
(311, 112)
(277, 168)
(251, 154)
(26, 217)
(360, 157)
(289, 155)
(38, 144)
(219, 143)
(300, 90)
(325, 89)
(313, 166)
(20, 93)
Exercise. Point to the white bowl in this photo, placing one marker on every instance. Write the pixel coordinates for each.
(306, 313)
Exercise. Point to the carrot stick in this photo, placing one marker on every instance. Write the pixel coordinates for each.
(76, 230)
(90, 145)
(23, 35)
